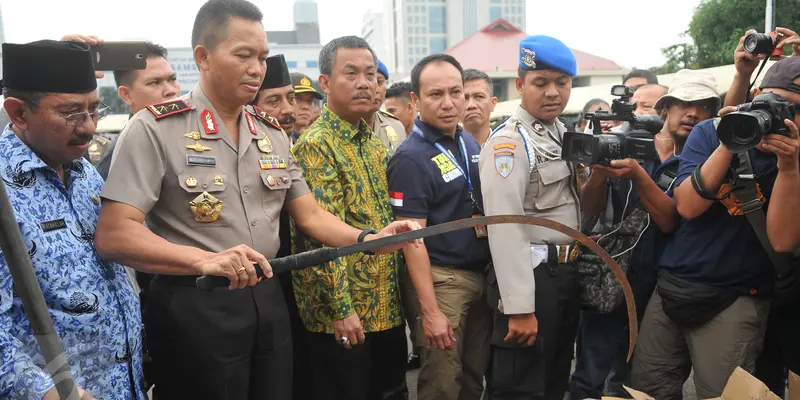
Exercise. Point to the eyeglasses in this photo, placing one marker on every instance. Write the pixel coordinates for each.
(79, 118)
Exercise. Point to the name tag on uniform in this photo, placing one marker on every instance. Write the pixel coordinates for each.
(54, 225)
(204, 161)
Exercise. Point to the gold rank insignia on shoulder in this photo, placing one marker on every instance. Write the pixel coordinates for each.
(206, 208)
(391, 133)
(198, 147)
(172, 107)
(269, 119)
(193, 135)
(264, 144)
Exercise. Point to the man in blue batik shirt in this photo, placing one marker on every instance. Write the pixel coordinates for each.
(52, 101)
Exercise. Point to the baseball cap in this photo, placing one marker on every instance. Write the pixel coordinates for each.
(689, 85)
(782, 75)
(302, 84)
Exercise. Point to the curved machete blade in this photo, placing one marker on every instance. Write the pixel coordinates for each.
(319, 256)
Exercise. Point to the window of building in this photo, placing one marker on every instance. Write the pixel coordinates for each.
(312, 64)
(497, 1)
(408, 9)
(291, 64)
(500, 89)
(438, 45)
(436, 19)
(410, 30)
(495, 13)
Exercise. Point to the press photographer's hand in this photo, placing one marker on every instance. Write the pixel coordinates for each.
(787, 148)
(791, 39)
(620, 169)
(745, 62)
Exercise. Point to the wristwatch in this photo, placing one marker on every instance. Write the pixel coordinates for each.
(363, 234)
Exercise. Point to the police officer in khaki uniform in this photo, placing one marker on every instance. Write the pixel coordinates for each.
(211, 175)
(386, 126)
(534, 281)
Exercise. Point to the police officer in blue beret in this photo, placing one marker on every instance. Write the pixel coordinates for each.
(387, 127)
(533, 285)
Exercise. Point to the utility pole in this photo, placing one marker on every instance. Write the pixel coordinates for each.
(769, 18)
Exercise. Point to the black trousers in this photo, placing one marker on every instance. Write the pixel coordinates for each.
(374, 370)
(224, 344)
(540, 371)
(781, 349)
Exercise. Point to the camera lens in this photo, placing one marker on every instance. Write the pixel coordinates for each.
(758, 43)
(609, 147)
(741, 131)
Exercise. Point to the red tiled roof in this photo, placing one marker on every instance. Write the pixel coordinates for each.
(493, 48)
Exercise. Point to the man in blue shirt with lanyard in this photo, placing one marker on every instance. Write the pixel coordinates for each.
(433, 179)
(51, 99)
(628, 185)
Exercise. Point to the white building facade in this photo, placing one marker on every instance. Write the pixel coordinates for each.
(417, 28)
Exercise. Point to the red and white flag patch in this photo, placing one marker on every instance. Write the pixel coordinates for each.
(396, 198)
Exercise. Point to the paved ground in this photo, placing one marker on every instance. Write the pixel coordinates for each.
(411, 379)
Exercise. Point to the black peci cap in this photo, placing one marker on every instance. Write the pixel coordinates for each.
(277, 73)
(49, 66)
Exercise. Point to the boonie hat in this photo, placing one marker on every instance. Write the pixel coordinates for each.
(689, 85)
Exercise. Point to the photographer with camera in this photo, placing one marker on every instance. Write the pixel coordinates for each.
(628, 197)
(717, 277)
(781, 353)
(747, 58)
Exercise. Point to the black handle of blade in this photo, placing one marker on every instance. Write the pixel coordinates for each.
(279, 265)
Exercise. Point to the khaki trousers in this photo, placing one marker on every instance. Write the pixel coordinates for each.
(457, 373)
(666, 352)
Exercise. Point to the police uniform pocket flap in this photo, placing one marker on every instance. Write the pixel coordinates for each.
(198, 183)
(553, 171)
(276, 180)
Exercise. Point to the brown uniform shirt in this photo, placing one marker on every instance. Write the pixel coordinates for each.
(522, 173)
(196, 187)
(389, 130)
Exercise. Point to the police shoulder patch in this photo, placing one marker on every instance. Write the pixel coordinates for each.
(262, 115)
(504, 162)
(167, 108)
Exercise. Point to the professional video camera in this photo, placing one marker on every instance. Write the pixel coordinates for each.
(634, 139)
(742, 130)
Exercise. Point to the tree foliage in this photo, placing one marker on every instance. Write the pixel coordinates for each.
(108, 96)
(716, 27)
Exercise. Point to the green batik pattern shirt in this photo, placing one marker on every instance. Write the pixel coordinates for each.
(345, 168)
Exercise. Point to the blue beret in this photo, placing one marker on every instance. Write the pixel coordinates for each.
(382, 69)
(545, 52)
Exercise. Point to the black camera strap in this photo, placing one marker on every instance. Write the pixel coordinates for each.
(747, 193)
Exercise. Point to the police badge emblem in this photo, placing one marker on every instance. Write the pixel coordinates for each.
(527, 57)
(391, 134)
(504, 163)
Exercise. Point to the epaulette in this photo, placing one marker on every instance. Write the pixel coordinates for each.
(262, 115)
(388, 114)
(167, 108)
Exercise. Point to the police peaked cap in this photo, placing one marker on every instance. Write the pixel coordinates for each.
(49, 66)
(542, 52)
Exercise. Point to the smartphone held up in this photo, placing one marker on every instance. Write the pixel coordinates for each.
(115, 56)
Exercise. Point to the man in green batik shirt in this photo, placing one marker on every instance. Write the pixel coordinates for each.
(351, 306)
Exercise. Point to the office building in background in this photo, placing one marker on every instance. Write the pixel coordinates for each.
(414, 29)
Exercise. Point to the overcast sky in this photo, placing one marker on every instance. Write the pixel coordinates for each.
(630, 32)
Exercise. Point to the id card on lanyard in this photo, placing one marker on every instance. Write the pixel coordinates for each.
(480, 230)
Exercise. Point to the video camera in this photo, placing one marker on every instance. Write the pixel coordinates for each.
(742, 130)
(634, 140)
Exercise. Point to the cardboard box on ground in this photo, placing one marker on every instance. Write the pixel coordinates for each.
(741, 386)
